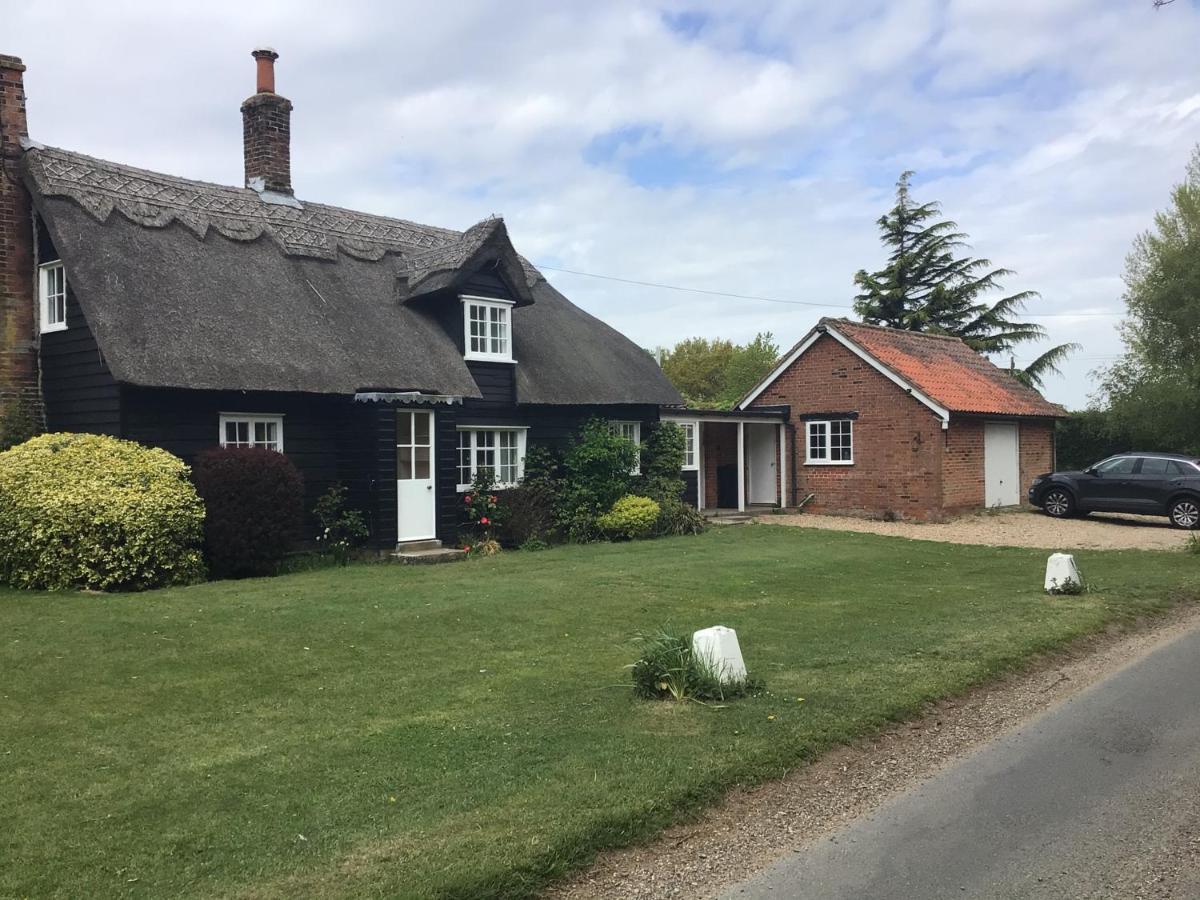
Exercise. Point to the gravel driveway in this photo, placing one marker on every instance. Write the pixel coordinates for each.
(1015, 528)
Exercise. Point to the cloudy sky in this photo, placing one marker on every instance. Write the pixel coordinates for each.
(744, 147)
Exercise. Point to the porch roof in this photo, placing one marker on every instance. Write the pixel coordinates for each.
(777, 415)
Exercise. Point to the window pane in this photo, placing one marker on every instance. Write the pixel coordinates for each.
(817, 440)
(1122, 465)
(403, 428)
(421, 463)
(1154, 466)
(421, 422)
(260, 433)
(464, 457)
(404, 463)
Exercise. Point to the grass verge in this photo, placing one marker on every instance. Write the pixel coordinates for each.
(469, 730)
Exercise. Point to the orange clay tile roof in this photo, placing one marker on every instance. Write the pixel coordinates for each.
(947, 371)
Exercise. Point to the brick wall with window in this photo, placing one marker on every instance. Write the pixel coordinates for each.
(897, 442)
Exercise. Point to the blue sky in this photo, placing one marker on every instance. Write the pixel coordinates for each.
(746, 148)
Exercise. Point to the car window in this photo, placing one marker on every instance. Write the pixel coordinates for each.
(1182, 468)
(1118, 465)
(1153, 465)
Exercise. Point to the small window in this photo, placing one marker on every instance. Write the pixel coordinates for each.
(487, 329)
(502, 450)
(690, 431)
(631, 431)
(1119, 465)
(829, 442)
(239, 430)
(53, 291)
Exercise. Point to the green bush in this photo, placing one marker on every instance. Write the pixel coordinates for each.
(667, 669)
(598, 471)
(630, 517)
(662, 462)
(342, 530)
(677, 517)
(91, 511)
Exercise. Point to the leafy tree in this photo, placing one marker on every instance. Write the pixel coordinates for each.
(717, 373)
(1154, 389)
(928, 286)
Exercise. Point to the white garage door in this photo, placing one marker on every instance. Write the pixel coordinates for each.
(1001, 464)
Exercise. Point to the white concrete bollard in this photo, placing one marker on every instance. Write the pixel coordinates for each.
(1061, 573)
(719, 645)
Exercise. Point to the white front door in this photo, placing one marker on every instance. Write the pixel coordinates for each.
(1001, 464)
(416, 499)
(763, 460)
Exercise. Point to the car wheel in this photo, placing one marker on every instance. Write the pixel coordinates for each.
(1185, 513)
(1057, 503)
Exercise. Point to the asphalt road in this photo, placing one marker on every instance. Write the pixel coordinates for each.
(1098, 797)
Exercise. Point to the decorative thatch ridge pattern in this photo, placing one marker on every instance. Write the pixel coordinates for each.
(154, 200)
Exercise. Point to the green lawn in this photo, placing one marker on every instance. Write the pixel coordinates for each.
(467, 730)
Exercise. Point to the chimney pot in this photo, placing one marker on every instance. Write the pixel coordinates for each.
(265, 56)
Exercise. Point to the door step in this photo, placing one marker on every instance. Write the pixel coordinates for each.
(426, 552)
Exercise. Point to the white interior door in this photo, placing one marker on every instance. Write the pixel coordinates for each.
(416, 499)
(1001, 464)
(763, 460)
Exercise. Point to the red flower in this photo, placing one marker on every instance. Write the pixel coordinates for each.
(467, 548)
(483, 520)
(467, 499)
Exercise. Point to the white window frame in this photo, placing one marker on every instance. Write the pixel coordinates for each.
(691, 445)
(251, 419)
(45, 272)
(827, 424)
(492, 307)
(522, 433)
(630, 430)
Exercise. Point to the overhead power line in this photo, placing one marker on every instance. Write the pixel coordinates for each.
(710, 293)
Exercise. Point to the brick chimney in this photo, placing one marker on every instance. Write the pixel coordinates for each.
(18, 326)
(267, 130)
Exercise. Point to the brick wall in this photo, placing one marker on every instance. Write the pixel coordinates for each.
(1037, 451)
(267, 135)
(18, 328)
(962, 466)
(719, 441)
(898, 442)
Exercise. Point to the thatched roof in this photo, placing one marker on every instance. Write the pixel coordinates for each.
(189, 284)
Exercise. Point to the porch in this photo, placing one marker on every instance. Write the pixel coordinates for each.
(736, 460)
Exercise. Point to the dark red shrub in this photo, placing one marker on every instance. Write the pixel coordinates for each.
(254, 505)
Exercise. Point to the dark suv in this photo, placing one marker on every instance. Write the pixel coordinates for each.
(1153, 484)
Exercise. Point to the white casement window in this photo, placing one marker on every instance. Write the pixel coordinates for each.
(691, 431)
(488, 325)
(631, 431)
(52, 289)
(247, 430)
(829, 442)
(500, 449)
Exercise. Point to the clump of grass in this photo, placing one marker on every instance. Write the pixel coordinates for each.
(1067, 587)
(1193, 544)
(668, 669)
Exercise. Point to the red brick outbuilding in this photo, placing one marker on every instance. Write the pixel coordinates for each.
(880, 421)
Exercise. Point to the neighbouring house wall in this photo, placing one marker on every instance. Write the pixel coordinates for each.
(1037, 451)
(962, 465)
(898, 442)
(18, 324)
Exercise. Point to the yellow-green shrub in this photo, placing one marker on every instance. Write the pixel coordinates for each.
(90, 511)
(630, 517)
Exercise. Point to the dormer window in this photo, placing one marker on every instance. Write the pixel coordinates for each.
(52, 289)
(488, 329)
